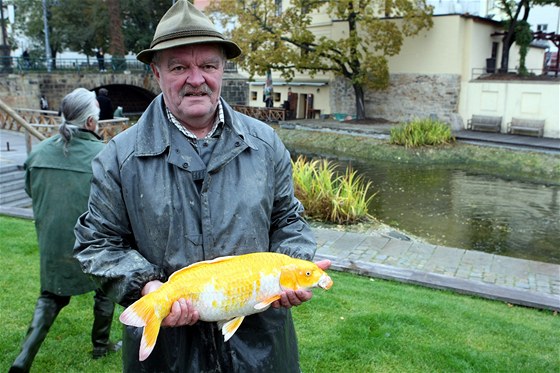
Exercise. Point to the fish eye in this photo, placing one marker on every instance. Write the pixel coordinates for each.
(308, 273)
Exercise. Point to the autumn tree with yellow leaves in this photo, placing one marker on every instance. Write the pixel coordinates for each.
(278, 35)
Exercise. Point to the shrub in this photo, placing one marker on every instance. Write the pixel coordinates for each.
(421, 132)
(329, 197)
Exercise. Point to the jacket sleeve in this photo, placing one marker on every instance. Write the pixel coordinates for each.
(290, 234)
(105, 244)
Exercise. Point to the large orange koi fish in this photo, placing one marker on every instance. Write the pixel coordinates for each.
(225, 290)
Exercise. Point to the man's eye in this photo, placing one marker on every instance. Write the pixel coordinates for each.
(177, 68)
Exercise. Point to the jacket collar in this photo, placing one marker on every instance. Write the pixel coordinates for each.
(153, 136)
(87, 134)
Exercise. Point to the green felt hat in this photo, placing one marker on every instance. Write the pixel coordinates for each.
(184, 24)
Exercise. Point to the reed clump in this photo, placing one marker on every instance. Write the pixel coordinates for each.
(422, 132)
(329, 196)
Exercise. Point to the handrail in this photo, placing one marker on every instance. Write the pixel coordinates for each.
(21, 121)
(44, 123)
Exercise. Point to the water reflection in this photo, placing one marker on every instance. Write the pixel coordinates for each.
(472, 211)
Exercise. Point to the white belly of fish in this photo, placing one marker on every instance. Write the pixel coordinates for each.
(238, 299)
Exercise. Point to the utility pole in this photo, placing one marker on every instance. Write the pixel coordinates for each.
(5, 47)
(47, 42)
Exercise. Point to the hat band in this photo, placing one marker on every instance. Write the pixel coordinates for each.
(186, 34)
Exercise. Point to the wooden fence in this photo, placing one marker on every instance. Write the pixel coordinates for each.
(266, 114)
(47, 122)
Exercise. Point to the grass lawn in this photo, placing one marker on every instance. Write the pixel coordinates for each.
(359, 325)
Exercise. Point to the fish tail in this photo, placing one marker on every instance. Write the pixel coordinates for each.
(143, 313)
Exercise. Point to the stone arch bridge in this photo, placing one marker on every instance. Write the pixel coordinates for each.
(133, 91)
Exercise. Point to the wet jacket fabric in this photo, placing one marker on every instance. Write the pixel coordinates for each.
(156, 207)
(58, 182)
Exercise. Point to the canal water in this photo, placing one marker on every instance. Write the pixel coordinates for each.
(457, 208)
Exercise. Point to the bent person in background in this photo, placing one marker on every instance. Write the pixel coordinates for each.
(57, 178)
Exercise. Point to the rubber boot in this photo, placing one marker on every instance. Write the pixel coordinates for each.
(46, 310)
(103, 309)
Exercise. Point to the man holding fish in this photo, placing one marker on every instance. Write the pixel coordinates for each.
(194, 181)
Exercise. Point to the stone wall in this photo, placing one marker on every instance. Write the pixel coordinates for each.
(20, 91)
(235, 90)
(408, 96)
(24, 90)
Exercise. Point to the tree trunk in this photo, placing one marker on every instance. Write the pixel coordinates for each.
(360, 106)
(116, 47)
(509, 36)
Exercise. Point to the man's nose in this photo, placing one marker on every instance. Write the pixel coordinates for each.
(195, 77)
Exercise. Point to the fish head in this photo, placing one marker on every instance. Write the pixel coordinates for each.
(304, 275)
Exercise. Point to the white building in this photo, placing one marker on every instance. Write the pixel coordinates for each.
(541, 18)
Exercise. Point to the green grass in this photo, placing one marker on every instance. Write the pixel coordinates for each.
(369, 325)
(359, 325)
(67, 347)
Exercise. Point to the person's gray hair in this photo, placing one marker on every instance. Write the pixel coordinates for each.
(76, 108)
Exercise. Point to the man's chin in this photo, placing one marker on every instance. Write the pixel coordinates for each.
(194, 111)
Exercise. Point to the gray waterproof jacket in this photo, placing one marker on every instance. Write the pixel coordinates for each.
(155, 207)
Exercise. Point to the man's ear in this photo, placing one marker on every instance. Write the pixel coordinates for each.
(155, 71)
(91, 124)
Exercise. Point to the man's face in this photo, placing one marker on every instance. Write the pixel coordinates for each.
(190, 78)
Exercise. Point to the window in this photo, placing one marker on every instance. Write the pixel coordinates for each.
(253, 95)
(542, 28)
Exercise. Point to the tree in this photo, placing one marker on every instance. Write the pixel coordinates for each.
(517, 13)
(282, 39)
(85, 25)
(66, 25)
(139, 21)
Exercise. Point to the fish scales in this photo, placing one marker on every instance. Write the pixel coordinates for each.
(219, 291)
(225, 290)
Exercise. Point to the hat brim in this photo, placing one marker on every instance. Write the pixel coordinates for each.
(231, 49)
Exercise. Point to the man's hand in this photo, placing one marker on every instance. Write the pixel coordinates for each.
(290, 298)
(182, 311)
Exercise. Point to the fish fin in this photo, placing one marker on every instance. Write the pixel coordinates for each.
(142, 313)
(202, 263)
(265, 303)
(230, 327)
(149, 338)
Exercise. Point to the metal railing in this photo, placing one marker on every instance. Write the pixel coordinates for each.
(82, 65)
(481, 72)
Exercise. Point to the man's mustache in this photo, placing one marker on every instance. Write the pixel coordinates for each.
(199, 91)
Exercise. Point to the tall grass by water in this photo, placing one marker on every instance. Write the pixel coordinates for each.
(360, 325)
(329, 196)
(421, 132)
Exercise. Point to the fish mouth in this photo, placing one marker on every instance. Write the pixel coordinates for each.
(325, 282)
